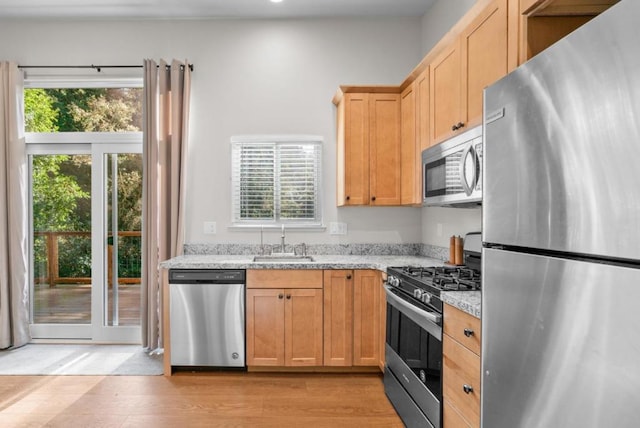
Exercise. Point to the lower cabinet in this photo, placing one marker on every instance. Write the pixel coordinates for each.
(352, 324)
(306, 318)
(461, 356)
(284, 325)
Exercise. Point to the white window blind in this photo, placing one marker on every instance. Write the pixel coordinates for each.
(276, 180)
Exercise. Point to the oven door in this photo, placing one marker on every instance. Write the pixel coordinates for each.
(413, 375)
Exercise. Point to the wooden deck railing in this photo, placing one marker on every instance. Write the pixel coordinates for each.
(53, 261)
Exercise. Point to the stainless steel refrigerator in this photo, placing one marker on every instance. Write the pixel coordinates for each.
(561, 233)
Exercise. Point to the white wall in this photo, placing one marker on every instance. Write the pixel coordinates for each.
(438, 224)
(439, 19)
(250, 77)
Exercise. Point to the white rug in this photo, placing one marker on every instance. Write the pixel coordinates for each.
(47, 359)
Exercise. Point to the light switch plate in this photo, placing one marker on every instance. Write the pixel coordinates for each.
(210, 227)
(336, 228)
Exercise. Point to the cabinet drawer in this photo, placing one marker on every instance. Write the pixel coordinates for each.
(284, 278)
(451, 418)
(461, 370)
(462, 327)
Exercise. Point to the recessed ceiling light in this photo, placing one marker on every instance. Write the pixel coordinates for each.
(276, 1)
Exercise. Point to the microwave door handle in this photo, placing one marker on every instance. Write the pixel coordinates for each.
(412, 310)
(463, 174)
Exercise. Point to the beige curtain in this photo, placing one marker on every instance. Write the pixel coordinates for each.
(14, 278)
(166, 124)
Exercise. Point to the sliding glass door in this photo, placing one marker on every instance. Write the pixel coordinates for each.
(86, 217)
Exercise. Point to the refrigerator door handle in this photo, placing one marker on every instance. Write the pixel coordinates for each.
(468, 151)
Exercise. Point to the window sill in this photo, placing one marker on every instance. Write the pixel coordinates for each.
(288, 227)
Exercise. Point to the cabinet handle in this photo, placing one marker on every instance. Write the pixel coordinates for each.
(288, 296)
(457, 126)
(348, 276)
(468, 389)
(468, 332)
(280, 296)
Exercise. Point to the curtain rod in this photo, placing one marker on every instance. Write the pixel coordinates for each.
(98, 68)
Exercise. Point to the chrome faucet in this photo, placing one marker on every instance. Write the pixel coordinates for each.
(282, 245)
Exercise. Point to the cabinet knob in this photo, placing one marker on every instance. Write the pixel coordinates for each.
(348, 197)
(288, 296)
(468, 389)
(348, 276)
(468, 332)
(280, 296)
(373, 198)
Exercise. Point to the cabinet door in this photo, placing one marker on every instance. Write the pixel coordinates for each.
(445, 87)
(484, 56)
(303, 327)
(338, 318)
(366, 321)
(355, 179)
(422, 112)
(384, 149)
(265, 327)
(382, 335)
(410, 150)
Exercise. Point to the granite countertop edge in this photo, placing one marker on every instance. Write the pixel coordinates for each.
(381, 262)
(467, 301)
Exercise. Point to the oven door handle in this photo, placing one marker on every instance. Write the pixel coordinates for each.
(411, 309)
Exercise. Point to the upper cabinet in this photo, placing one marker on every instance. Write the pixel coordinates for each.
(382, 130)
(445, 84)
(544, 22)
(410, 150)
(479, 56)
(368, 150)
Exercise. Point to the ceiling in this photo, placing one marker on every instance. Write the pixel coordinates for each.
(181, 9)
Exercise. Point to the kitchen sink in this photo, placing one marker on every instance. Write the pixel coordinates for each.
(282, 258)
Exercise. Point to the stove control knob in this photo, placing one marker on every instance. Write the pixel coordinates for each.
(393, 281)
(417, 294)
(426, 298)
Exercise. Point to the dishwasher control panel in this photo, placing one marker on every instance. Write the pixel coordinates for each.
(219, 276)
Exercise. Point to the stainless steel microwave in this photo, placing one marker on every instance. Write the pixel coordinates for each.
(452, 171)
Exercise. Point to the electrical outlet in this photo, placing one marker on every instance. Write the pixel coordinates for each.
(209, 227)
(336, 228)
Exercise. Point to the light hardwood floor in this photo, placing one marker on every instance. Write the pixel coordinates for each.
(196, 400)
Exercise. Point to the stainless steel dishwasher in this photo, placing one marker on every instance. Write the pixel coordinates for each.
(207, 317)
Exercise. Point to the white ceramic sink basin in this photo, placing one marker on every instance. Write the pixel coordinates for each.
(282, 258)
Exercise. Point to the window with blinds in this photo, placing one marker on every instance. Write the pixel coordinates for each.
(276, 180)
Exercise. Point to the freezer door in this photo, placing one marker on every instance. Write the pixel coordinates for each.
(562, 144)
(560, 343)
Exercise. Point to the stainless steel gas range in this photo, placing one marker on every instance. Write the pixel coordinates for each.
(413, 352)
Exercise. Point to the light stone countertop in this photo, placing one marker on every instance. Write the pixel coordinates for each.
(319, 262)
(467, 301)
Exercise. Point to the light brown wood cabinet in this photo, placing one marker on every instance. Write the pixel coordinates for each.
(479, 56)
(410, 186)
(352, 325)
(445, 86)
(368, 153)
(461, 369)
(284, 318)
